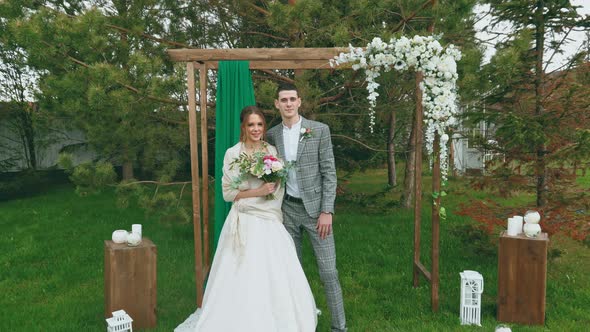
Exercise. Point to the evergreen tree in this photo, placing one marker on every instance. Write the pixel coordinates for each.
(530, 121)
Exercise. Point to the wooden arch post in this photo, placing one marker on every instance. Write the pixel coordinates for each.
(200, 203)
(432, 275)
(269, 59)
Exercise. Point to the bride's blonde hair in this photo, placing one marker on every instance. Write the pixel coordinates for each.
(245, 115)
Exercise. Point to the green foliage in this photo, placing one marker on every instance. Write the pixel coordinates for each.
(91, 178)
(476, 239)
(107, 73)
(537, 114)
(28, 183)
(109, 80)
(522, 132)
(17, 185)
(166, 206)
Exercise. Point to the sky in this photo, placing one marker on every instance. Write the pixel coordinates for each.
(571, 47)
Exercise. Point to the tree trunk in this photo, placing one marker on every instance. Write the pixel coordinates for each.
(297, 40)
(23, 124)
(452, 169)
(406, 199)
(127, 170)
(30, 137)
(391, 171)
(541, 167)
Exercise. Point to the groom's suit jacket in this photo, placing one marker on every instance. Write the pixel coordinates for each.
(315, 167)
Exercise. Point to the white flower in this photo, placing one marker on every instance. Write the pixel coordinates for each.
(276, 166)
(444, 138)
(302, 130)
(438, 86)
(399, 65)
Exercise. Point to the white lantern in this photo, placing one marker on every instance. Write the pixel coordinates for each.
(120, 322)
(471, 290)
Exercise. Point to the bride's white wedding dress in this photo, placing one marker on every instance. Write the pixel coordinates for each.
(256, 283)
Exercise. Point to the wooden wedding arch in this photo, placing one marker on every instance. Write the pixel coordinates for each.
(287, 58)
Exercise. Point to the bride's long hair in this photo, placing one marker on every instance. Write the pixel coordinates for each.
(246, 112)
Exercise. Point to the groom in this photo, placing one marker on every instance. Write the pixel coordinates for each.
(311, 190)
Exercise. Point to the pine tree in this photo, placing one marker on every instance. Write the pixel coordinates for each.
(521, 84)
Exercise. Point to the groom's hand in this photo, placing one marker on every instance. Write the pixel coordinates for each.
(324, 226)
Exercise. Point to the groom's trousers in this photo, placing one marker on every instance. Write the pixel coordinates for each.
(296, 220)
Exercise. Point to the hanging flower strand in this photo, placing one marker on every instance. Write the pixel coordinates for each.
(424, 54)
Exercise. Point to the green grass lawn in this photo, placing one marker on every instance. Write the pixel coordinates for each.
(51, 264)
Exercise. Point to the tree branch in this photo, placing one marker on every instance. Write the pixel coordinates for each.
(557, 48)
(266, 35)
(275, 76)
(409, 18)
(126, 86)
(259, 9)
(358, 142)
(163, 119)
(147, 36)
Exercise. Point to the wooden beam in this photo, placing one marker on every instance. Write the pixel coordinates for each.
(194, 147)
(434, 281)
(286, 64)
(422, 269)
(252, 54)
(205, 161)
(417, 176)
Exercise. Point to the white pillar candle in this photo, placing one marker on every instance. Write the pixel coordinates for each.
(136, 228)
(520, 220)
(513, 227)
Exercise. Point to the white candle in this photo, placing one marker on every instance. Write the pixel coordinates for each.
(520, 222)
(513, 226)
(136, 228)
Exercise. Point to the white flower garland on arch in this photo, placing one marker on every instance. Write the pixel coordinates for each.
(439, 92)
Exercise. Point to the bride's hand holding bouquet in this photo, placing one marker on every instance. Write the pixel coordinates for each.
(264, 166)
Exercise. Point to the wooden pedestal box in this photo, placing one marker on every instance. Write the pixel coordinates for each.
(130, 281)
(522, 279)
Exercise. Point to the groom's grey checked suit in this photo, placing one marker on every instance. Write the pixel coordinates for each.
(316, 179)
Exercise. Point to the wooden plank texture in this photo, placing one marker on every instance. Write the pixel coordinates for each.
(130, 281)
(286, 64)
(436, 179)
(205, 165)
(417, 177)
(522, 279)
(196, 54)
(195, 182)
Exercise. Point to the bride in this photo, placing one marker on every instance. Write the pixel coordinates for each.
(256, 282)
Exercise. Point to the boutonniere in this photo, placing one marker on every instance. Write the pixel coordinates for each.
(304, 133)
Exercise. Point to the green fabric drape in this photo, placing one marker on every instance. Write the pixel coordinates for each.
(234, 92)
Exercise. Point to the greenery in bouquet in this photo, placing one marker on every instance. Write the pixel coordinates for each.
(263, 166)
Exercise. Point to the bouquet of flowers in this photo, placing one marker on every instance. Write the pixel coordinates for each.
(264, 166)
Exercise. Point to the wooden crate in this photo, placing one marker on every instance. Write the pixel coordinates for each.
(130, 281)
(522, 279)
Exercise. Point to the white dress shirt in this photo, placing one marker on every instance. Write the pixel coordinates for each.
(291, 140)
